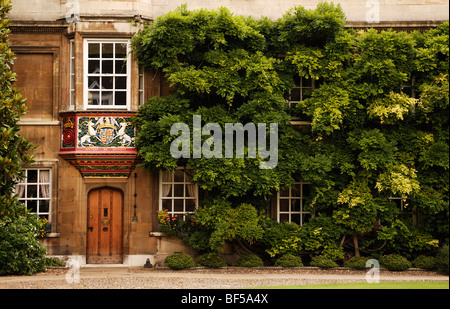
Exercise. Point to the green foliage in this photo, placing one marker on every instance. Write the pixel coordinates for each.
(212, 260)
(250, 260)
(289, 260)
(442, 259)
(20, 250)
(21, 253)
(53, 262)
(179, 261)
(371, 135)
(14, 149)
(395, 262)
(424, 262)
(323, 262)
(227, 223)
(357, 262)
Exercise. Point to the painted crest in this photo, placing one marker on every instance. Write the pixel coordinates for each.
(105, 131)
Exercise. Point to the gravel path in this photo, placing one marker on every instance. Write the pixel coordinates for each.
(200, 278)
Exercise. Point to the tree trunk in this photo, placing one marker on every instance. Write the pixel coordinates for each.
(355, 243)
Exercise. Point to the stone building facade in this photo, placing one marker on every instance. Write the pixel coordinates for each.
(81, 96)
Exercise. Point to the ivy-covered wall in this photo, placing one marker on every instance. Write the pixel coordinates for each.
(379, 127)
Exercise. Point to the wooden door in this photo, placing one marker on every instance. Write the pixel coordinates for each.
(104, 229)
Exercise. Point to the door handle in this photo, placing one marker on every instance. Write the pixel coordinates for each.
(90, 228)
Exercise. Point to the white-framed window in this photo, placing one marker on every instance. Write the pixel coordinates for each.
(72, 75)
(177, 194)
(141, 87)
(302, 90)
(291, 205)
(107, 74)
(35, 191)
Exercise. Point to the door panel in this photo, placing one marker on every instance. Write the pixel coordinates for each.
(104, 230)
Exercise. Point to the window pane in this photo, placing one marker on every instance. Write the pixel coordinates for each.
(166, 190)
(121, 98)
(121, 67)
(94, 50)
(178, 205)
(178, 190)
(107, 67)
(31, 191)
(190, 205)
(94, 66)
(32, 176)
(32, 205)
(107, 50)
(284, 204)
(190, 190)
(121, 50)
(295, 205)
(179, 176)
(44, 206)
(107, 83)
(295, 191)
(121, 83)
(93, 98)
(167, 204)
(94, 82)
(295, 218)
(107, 98)
(167, 176)
(295, 94)
(284, 193)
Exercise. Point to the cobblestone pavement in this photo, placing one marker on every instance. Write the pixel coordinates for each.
(199, 278)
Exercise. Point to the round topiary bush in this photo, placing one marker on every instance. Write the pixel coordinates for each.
(442, 260)
(289, 260)
(323, 262)
(424, 262)
(250, 260)
(395, 262)
(357, 262)
(179, 261)
(212, 260)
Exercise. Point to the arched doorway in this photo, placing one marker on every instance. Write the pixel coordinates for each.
(104, 226)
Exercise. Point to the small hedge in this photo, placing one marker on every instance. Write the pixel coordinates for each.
(442, 260)
(357, 262)
(395, 262)
(289, 260)
(212, 260)
(424, 262)
(250, 260)
(323, 262)
(179, 261)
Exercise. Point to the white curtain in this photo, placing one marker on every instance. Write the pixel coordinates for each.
(166, 188)
(20, 190)
(44, 180)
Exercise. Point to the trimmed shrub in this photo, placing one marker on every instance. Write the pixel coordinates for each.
(357, 262)
(289, 260)
(442, 260)
(395, 262)
(21, 253)
(250, 260)
(212, 260)
(424, 262)
(323, 262)
(179, 261)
